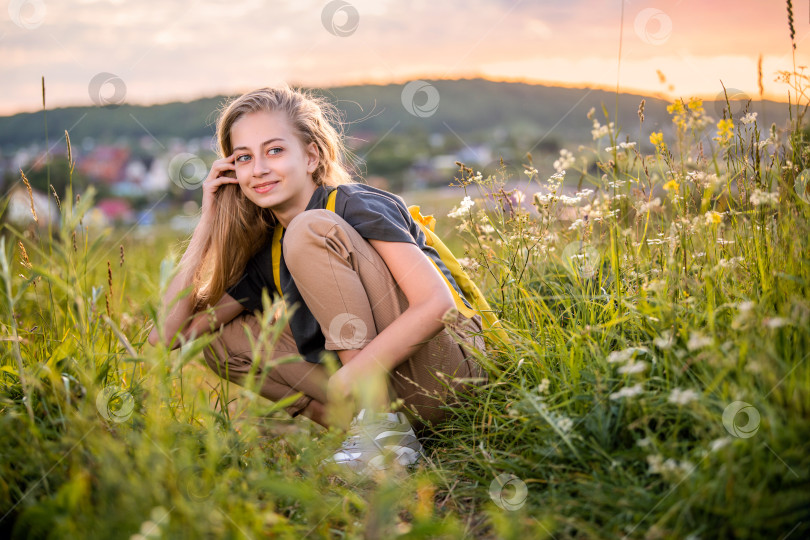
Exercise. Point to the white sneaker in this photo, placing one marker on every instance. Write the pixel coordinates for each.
(378, 441)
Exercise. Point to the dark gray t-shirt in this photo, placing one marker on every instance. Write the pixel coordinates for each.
(375, 214)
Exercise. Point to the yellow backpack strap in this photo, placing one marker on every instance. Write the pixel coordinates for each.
(276, 249)
(330, 202)
(276, 252)
(470, 289)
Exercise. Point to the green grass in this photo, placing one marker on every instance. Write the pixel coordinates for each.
(607, 405)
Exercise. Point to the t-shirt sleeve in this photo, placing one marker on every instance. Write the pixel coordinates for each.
(378, 217)
(248, 290)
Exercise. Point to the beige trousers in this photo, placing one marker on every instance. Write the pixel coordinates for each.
(353, 296)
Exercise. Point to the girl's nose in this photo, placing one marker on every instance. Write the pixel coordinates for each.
(260, 165)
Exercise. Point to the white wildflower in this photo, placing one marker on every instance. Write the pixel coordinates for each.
(569, 201)
(577, 224)
(600, 131)
(565, 424)
(759, 198)
(664, 341)
(633, 367)
(670, 466)
(717, 444)
(655, 461)
(698, 341)
(542, 199)
(621, 146)
(462, 210)
(655, 285)
(530, 172)
(776, 322)
(749, 118)
(730, 263)
(644, 443)
(745, 307)
(645, 207)
(542, 388)
(682, 397)
(469, 264)
(565, 161)
(628, 392)
(626, 354)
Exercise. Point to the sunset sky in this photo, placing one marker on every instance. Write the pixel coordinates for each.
(161, 50)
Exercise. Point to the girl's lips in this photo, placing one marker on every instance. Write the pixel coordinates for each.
(264, 188)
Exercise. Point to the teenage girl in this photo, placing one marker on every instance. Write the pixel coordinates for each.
(358, 280)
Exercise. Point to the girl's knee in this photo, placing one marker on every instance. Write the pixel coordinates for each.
(309, 225)
(308, 233)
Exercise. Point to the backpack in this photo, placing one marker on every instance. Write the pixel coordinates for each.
(472, 293)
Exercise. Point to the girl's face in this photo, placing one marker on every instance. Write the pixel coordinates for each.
(273, 167)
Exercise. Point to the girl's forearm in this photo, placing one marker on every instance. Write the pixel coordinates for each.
(180, 309)
(402, 338)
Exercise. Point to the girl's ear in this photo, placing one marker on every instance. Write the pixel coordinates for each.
(314, 156)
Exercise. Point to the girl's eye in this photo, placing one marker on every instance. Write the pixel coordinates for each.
(272, 151)
(239, 158)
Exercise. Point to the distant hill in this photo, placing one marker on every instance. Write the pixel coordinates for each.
(469, 110)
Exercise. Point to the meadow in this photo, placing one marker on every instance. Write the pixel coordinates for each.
(655, 289)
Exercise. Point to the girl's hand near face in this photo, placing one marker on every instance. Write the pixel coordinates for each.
(178, 311)
(217, 176)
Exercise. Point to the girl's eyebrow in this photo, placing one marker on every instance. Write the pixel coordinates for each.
(264, 143)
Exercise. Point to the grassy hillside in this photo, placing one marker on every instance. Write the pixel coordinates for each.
(655, 383)
(529, 112)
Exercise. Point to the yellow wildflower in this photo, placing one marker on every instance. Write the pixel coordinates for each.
(713, 218)
(657, 138)
(725, 130)
(672, 185)
(678, 111)
(696, 104)
(676, 108)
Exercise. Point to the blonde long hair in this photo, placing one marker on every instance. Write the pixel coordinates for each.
(239, 226)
